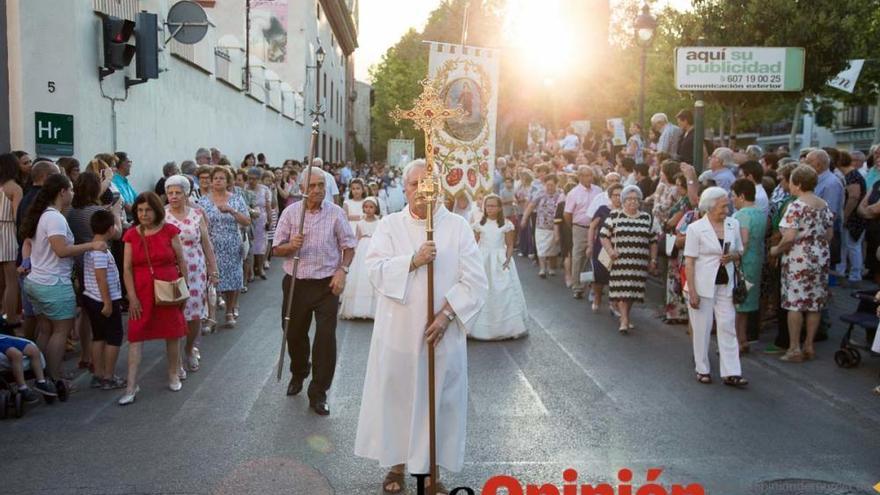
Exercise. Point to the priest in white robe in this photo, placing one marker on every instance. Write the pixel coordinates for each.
(393, 422)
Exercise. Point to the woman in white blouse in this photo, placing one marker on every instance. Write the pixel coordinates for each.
(711, 247)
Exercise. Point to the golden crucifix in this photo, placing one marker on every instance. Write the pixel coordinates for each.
(429, 114)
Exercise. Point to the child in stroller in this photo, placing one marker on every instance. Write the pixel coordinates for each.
(18, 355)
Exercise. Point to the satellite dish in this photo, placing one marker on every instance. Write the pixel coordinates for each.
(187, 22)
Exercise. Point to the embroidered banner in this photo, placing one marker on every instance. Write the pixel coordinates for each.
(466, 77)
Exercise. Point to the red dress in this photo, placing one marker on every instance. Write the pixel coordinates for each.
(156, 322)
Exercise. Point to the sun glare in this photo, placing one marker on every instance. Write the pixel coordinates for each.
(542, 34)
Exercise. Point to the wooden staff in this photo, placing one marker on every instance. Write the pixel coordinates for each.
(302, 218)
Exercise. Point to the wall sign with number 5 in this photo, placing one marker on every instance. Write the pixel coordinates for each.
(51, 86)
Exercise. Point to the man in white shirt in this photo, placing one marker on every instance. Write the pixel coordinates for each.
(577, 202)
(332, 190)
(670, 134)
(569, 145)
(602, 199)
(754, 172)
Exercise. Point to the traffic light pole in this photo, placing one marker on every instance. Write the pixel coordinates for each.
(699, 125)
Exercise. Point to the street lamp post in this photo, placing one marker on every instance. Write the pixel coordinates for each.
(645, 24)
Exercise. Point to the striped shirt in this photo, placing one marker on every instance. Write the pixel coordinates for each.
(327, 233)
(100, 259)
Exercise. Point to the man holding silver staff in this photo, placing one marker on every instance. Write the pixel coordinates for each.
(322, 251)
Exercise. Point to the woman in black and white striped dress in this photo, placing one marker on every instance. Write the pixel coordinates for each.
(630, 238)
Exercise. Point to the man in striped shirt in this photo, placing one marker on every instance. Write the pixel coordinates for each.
(325, 249)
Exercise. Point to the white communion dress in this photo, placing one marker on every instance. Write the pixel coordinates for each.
(359, 297)
(504, 314)
(355, 207)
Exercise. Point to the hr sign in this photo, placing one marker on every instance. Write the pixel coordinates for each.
(53, 133)
(739, 68)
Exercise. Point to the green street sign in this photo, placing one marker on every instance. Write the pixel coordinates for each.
(739, 68)
(54, 134)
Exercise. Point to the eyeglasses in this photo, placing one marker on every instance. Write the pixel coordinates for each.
(631, 198)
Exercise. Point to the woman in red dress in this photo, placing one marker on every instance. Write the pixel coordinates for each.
(146, 320)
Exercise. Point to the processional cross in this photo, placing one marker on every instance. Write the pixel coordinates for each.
(428, 114)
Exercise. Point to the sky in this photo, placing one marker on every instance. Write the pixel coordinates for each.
(383, 22)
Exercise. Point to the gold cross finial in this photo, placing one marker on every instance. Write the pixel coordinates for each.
(428, 114)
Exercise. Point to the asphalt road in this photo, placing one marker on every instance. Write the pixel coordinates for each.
(573, 394)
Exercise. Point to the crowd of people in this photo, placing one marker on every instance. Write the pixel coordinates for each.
(756, 238)
(773, 231)
(82, 250)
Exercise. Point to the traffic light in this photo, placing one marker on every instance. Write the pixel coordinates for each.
(147, 47)
(118, 53)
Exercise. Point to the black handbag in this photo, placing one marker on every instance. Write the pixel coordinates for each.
(740, 290)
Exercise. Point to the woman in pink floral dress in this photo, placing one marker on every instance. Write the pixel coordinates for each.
(806, 232)
(199, 255)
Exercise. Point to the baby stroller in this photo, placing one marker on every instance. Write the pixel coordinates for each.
(866, 317)
(11, 400)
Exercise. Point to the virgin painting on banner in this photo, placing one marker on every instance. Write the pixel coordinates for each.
(466, 77)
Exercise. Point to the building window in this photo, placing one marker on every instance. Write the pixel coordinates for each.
(338, 150)
(332, 40)
(332, 99)
(318, 5)
(325, 85)
(324, 146)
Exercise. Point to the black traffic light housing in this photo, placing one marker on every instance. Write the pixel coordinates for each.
(147, 49)
(115, 34)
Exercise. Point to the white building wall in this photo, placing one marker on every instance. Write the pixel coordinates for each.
(305, 31)
(164, 119)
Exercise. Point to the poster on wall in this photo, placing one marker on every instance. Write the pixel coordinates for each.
(466, 77)
(269, 29)
(400, 152)
(618, 131)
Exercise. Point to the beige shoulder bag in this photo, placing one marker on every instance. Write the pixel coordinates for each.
(173, 293)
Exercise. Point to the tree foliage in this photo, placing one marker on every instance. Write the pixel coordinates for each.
(605, 83)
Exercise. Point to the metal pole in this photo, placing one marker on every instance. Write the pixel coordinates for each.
(313, 145)
(642, 93)
(877, 120)
(699, 132)
(247, 46)
(792, 136)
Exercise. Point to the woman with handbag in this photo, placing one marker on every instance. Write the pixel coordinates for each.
(712, 245)
(155, 274)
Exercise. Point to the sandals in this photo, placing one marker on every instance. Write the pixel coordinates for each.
(704, 378)
(392, 478)
(808, 355)
(735, 381)
(623, 329)
(192, 363)
(792, 357)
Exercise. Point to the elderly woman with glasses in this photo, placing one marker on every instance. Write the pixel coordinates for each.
(712, 245)
(198, 254)
(629, 236)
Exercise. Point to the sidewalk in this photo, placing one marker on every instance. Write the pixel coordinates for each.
(849, 389)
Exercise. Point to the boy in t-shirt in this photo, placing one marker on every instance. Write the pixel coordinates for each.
(102, 295)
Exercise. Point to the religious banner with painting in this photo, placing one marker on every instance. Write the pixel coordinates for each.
(464, 149)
